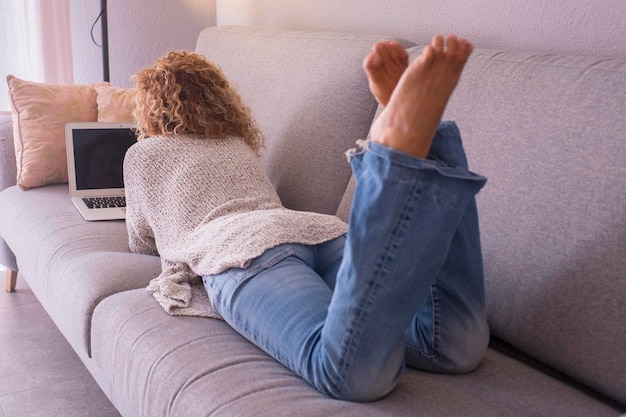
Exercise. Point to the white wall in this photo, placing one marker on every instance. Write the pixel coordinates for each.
(575, 26)
(87, 56)
(140, 31)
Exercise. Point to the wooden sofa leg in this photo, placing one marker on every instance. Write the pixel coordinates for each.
(11, 280)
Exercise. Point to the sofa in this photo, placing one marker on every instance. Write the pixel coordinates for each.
(549, 133)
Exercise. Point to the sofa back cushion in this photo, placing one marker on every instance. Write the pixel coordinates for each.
(309, 95)
(549, 132)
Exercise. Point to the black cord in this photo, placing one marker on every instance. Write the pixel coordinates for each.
(93, 26)
(102, 17)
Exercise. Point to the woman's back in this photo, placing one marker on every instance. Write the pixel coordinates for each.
(208, 203)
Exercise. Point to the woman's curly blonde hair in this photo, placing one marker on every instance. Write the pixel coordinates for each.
(185, 94)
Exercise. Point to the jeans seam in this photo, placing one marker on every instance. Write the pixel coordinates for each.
(436, 323)
(315, 257)
(390, 248)
(253, 270)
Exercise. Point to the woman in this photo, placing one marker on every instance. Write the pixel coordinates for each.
(346, 309)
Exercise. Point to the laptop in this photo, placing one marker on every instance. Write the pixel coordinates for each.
(95, 165)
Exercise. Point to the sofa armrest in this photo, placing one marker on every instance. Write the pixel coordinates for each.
(8, 170)
(8, 178)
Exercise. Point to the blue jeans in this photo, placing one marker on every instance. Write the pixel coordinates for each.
(403, 287)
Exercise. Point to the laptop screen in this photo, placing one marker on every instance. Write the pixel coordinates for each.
(99, 156)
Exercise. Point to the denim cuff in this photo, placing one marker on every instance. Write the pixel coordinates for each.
(401, 159)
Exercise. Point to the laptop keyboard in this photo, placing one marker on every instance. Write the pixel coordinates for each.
(104, 202)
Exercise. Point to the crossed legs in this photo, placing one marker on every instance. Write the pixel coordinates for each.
(449, 331)
(404, 259)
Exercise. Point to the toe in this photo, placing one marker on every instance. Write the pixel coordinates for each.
(428, 56)
(372, 61)
(452, 45)
(466, 47)
(437, 43)
(398, 54)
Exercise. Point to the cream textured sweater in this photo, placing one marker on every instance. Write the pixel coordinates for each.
(204, 206)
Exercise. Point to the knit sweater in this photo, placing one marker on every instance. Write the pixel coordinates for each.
(204, 206)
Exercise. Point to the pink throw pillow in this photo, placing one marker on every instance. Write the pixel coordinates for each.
(115, 104)
(40, 112)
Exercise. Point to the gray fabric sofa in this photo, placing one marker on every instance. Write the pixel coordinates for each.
(548, 131)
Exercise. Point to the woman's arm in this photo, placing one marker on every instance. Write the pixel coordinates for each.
(140, 235)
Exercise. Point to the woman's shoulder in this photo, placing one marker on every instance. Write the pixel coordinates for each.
(187, 142)
(156, 146)
(157, 149)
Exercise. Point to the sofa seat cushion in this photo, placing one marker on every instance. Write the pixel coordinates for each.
(160, 365)
(69, 263)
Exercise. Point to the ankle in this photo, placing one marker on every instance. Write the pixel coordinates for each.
(397, 139)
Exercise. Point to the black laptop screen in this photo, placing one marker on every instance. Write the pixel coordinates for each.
(99, 157)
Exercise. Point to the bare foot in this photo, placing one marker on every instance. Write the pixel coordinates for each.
(384, 66)
(410, 120)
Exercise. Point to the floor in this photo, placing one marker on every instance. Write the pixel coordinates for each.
(40, 375)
